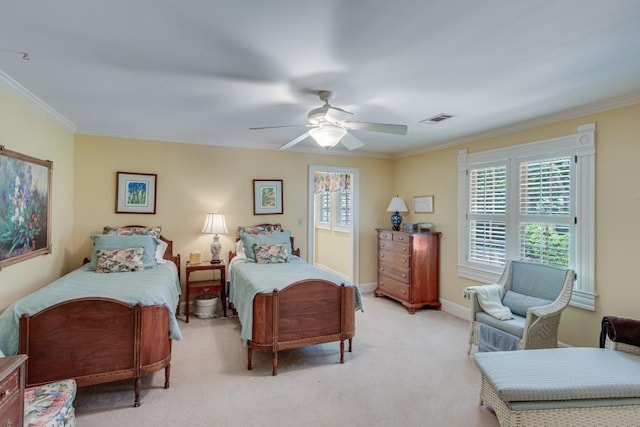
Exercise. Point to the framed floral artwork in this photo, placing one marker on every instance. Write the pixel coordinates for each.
(25, 207)
(136, 193)
(267, 196)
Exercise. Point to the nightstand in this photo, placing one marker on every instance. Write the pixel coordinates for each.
(12, 372)
(207, 285)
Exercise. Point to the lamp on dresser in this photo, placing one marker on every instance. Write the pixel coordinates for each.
(215, 225)
(396, 206)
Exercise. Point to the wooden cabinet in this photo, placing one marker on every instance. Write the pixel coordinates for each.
(12, 371)
(408, 268)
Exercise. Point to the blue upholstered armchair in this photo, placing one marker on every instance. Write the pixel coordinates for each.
(536, 294)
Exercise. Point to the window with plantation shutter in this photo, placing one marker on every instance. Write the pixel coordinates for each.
(344, 208)
(545, 210)
(487, 215)
(324, 208)
(533, 202)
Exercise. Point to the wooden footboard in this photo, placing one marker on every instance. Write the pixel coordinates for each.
(96, 340)
(305, 313)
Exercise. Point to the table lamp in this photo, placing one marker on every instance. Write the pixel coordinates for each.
(215, 225)
(397, 205)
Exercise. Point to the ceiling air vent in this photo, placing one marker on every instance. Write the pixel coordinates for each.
(436, 119)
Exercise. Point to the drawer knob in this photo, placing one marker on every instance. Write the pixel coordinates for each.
(403, 275)
(381, 255)
(5, 393)
(381, 284)
(404, 261)
(381, 268)
(401, 238)
(404, 292)
(381, 245)
(404, 249)
(206, 289)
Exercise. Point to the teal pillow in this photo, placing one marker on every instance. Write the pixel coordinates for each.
(248, 240)
(520, 303)
(105, 241)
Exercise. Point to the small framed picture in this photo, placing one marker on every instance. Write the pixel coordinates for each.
(136, 193)
(267, 196)
(423, 204)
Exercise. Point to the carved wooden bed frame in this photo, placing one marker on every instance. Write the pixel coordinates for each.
(97, 340)
(307, 312)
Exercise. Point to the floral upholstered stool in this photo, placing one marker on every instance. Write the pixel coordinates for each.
(50, 405)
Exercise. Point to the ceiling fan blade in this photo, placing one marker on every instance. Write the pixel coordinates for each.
(294, 141)
(274, 127)
(351, 142)
(340, 109)
(377, 127)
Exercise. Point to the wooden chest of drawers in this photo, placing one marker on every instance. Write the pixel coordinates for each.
(408, 268)
(12, 390)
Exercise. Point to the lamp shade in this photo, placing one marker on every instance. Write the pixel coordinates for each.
(397, 205)
(215, 224)
(327, 136)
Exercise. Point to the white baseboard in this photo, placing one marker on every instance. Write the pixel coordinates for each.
(455, 309)
(367, 288)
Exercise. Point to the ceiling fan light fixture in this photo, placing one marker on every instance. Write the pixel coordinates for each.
(327, 136)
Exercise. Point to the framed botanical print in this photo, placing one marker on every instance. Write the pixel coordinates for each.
(136, 193)
(25, 207)
(267, 196)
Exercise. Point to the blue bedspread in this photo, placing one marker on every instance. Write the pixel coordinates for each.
(246, 279)
(154, 286)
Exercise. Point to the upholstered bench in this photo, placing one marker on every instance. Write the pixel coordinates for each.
(50, 405)
(561, 386)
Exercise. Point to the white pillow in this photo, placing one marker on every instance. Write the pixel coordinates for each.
(160, 250)
(240, 249)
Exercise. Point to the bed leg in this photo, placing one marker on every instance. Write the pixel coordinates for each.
(341, 351)
(350, 345)
(249, 354)
(274, 362)
(136, 384)
(167, 375)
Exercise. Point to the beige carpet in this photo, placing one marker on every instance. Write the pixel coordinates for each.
(404, 370)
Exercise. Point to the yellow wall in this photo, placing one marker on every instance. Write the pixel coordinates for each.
(26, 130)
(617, 210)
(332, 250)
(196, 179)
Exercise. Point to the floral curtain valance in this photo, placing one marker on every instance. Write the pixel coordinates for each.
(331, 182)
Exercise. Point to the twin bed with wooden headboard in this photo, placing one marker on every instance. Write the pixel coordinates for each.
(282, 301)
(98, 328)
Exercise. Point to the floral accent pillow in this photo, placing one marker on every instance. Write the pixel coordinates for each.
(260, 229)
(119, 260)
(132, 231)
(271, 254)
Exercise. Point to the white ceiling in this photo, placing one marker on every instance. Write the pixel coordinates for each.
(204, 71)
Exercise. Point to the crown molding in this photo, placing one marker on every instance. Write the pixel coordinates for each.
(17, 89)
(570, 114)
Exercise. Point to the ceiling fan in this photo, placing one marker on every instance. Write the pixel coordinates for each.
(328, 126)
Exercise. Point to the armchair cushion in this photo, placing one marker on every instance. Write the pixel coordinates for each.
(513, 326)
(520, 303)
